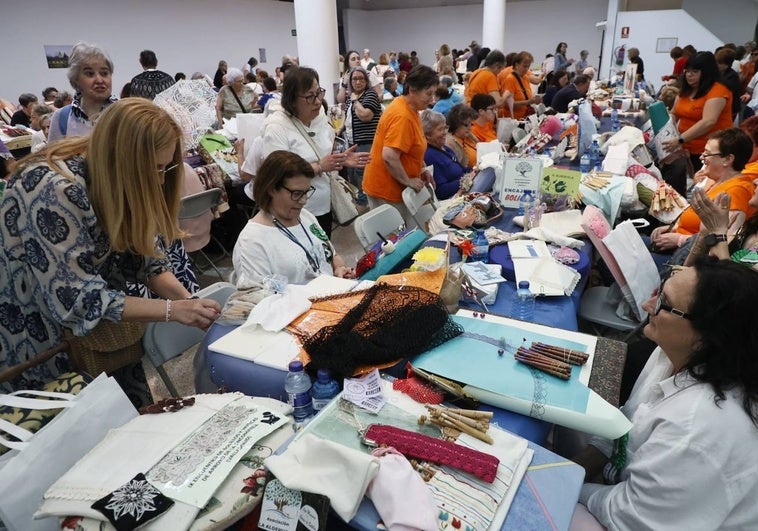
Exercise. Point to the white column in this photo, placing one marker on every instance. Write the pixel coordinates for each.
(493, 25)
(611, 40)
(317, 40)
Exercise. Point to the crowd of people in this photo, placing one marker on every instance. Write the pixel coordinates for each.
(90, 226)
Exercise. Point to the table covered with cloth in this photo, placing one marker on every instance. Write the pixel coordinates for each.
(558, 312)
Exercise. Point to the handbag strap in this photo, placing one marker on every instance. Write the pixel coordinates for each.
(22, 434)
(239, 102)
(14, 400)
(520, 84)
(299, 126)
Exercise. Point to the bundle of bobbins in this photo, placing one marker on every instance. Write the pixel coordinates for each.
(551, 359)
(474, 423)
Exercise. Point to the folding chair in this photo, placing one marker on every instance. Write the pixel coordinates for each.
(164, 341)
(197, 206)
(383, 219)
(422, 205)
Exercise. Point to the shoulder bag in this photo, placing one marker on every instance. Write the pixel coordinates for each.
(342, 192)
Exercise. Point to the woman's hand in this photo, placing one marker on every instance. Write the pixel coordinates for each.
(714, 215)
(239, 148)
(665, 241)
(356, 159)
(344, 272)
(671, 144)
(333, 161)
(195, 312)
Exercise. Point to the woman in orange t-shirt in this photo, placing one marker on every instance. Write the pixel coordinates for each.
(703, 106)
(517, 88)
(725, 155)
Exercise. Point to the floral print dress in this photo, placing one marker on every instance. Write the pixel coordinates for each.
(56, 268)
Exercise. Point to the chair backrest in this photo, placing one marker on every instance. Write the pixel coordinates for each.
(421, 205)
(518, 135)
(383, 219)
(164, 341)
(198, 204)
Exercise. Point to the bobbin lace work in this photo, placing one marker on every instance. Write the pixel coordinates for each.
(389, 323)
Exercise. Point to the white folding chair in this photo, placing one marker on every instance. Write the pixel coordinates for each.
(422, 205)
(195, 206)
(164, 341)
(384, 219)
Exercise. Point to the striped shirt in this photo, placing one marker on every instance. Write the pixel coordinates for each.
(363, 132)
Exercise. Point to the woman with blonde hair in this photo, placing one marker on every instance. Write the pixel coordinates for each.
(80, 219)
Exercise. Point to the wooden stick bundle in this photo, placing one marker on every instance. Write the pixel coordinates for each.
(461, 420)
(567, 355)
(545, 364)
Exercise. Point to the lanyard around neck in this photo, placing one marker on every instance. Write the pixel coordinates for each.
(312, 257)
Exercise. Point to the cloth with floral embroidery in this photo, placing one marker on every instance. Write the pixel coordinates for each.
(565, 255)
(133, 504)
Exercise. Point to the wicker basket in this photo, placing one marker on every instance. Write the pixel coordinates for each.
(107, 348)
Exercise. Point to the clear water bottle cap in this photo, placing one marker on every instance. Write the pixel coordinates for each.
(523, 284)
(296, 366)
(324, 375)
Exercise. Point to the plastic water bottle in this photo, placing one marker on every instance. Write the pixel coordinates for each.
(297, 385)
(615, 125)
(523, 302)
(595, 158)
(481, 250)
(584, 163)
(525, 202)
(324, 389)
(532, 152)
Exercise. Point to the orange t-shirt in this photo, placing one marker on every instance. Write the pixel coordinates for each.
(399, 128)
(740, 190)
(690, 111)
(482, 81)
(467, 147)
(484, 133)
(510, 84)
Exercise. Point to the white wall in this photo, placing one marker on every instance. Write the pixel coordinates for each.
(535, 26)
(645, 27)
(186, 35)
(737, 24)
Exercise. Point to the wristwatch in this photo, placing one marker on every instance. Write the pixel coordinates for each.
(711, 240)
(681, 139)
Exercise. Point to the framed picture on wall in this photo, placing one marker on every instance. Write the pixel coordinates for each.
(665, 44)
(57, 55)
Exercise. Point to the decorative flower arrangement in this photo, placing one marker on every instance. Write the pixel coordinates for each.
(467, 249)
(428, 259)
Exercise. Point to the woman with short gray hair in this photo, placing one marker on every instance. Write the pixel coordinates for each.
(234, 97)
(90, 73)
(450, 176)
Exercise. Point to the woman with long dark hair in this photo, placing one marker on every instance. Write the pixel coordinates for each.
(688, 462)
(704, 105)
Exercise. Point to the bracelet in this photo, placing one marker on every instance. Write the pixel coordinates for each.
(320, 169)
(168, 310)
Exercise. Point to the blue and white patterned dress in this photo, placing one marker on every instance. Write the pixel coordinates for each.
(56, 268)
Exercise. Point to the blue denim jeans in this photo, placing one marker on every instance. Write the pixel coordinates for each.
(355, 176)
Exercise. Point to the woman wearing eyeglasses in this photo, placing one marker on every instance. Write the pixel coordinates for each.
(284, 238)
(83, 217)
(689, 460)
(703, 106)
(301, 127)
(725, 155)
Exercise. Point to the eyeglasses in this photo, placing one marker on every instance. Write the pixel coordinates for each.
(311, 98)
(705, 155)
(491, 109)
(358, 78)
(660, 305)
(297, 195)
(167, 169)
